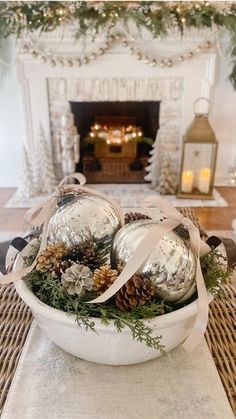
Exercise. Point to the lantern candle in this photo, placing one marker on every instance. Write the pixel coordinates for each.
(187, 181)
(204, 180)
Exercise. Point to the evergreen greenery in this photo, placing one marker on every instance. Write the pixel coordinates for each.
(215, 272)
(137, 140)
(91, 17)
(50, 291)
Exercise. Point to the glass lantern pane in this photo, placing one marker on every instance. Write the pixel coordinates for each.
(198, 153)
(198, 167)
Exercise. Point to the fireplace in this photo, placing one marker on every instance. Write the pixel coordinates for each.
(124, 162)
(146, 114)
(156, 103)
(50, 91)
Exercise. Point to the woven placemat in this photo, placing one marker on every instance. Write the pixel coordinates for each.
(16, 318)
(220, 337)
(15, 321)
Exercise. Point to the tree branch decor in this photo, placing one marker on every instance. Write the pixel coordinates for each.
(92, 17)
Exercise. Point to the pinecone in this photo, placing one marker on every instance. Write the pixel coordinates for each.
(49, 257)
(77, 279)
(60, 268)
(86, 254)
(103, 278)
(137, 291)
(134, 216)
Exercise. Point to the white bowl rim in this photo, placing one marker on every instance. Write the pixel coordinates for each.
(45, 310)
(38, 307)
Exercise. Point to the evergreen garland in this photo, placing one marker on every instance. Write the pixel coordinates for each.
(158, 17)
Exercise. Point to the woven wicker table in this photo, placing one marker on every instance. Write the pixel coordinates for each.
(16, 318)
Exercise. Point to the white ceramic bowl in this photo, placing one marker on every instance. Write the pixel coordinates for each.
(107, 346)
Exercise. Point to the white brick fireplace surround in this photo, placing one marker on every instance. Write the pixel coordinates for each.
(115, 76)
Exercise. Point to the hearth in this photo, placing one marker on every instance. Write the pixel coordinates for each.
(116, 138)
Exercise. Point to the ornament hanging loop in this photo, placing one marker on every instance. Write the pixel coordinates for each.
(61, 191)
(205, 113)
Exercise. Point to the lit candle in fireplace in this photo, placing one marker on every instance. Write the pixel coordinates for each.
(187, 181)
(204, 180)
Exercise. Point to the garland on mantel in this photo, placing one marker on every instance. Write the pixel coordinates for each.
(55, 59)
(93, 17)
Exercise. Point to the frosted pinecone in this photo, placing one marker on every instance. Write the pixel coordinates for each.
(77, 279)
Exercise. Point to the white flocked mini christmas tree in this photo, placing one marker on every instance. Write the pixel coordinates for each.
(45, 180)
(153, 168)
(167, 181)
(26, 187)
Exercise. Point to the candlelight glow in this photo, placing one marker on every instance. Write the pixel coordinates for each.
(187, 181)
(115, 134)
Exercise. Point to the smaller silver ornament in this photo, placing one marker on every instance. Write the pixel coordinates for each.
(171, 266)
(84, 216)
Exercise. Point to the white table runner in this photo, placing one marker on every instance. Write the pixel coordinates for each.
(51, 384)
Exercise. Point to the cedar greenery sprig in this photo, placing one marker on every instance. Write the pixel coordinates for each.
(92, 17)
(50, 291)
(215, 272)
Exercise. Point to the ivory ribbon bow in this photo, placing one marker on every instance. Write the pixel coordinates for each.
(42, 213)
(143, 250)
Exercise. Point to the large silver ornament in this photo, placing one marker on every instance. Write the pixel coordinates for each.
(82, 216)
(171, 265)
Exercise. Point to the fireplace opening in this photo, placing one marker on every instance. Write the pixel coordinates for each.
(116, 138)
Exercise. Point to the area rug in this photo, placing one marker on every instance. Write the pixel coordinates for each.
(128, 196)
(49, 383)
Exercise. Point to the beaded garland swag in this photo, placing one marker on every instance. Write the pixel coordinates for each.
(92, 17)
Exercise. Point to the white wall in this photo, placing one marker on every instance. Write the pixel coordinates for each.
(223, 119)
(11, 119)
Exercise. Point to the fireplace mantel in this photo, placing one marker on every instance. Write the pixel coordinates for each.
(116, 75)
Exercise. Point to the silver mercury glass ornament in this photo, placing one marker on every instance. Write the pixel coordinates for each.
(171, 266)
(84, 216)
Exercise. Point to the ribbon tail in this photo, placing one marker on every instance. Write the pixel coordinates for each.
(164, 206)
(204, 248)
(139, 256)
(15, 275)
(37, 215)
(199, 328)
